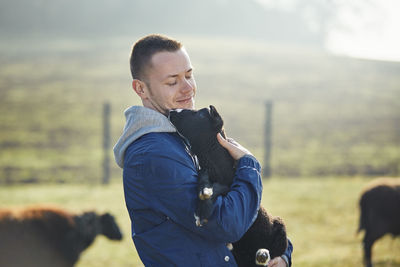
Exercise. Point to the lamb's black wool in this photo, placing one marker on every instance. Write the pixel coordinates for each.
(200, 129)
(48, 237)
(379, 212)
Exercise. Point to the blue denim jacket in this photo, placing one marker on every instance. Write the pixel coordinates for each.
(160, 184)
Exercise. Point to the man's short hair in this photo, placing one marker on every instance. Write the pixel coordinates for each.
(145, 48)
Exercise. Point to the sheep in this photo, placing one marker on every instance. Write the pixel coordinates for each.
(49, 236)
(267, 235)
(379, 212)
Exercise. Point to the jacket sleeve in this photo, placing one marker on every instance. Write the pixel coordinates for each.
(171, 184)
(287, 255)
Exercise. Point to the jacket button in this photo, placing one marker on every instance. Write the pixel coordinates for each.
(226, 258)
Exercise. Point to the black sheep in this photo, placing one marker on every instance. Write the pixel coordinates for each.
(379, 213)
(200, 129)
(48, 236)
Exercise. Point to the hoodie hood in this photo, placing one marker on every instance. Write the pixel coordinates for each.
(139, 121)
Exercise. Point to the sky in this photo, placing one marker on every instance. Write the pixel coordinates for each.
(372, 31)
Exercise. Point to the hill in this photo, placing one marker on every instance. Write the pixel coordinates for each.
(91, 18)
(331, 116)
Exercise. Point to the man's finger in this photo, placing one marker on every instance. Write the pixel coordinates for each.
(222, 140)
(232, 141)
(273, 263)
(235, 149)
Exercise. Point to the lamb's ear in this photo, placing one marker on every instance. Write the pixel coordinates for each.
(223, 133)
(218, 122)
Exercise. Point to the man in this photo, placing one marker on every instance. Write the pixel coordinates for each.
(160, 175)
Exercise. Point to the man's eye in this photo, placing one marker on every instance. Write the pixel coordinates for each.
(172, 83)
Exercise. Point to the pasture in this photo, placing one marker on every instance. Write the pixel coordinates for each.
(321, 216)
(335, 125)
(332, 115)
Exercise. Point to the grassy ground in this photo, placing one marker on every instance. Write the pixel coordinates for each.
(332, 116)
(321, 216)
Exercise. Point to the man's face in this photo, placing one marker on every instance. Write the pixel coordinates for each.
(169, 82)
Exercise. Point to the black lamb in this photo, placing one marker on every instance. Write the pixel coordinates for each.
(199, 128)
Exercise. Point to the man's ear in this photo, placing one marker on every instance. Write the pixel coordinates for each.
(139, 87)
(217, 119)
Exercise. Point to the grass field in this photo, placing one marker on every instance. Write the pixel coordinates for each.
(321, 217)
(334, 118)
(332, 115)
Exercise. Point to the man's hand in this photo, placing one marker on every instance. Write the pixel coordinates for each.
(277, 262)
(235, 149)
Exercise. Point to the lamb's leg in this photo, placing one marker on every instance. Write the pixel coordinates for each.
(262, 257)
(371, 235)
(205, 204)
(203, 212)
(205, 188)
(219, 189)
(207, 194)
(368, 242)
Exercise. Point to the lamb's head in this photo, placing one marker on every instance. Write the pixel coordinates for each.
(109, 227)
(197, 126)
(90, 224)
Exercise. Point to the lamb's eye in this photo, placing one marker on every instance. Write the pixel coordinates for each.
(201, 114)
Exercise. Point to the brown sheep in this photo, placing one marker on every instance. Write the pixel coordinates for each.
(379, 212)
(48, 236)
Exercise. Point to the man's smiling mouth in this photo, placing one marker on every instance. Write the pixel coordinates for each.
(184, 100)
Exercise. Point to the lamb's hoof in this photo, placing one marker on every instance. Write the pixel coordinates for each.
(262, 257)
(206, 193)
(200, 222)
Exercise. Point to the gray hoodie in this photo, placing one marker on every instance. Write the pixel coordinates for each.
(139, 121)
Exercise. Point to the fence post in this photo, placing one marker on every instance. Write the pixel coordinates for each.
(106, 142)
(267, 139)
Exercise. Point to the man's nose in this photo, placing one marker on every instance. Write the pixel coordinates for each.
(187, 85)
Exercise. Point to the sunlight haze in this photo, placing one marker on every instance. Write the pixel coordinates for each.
(363, 29)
